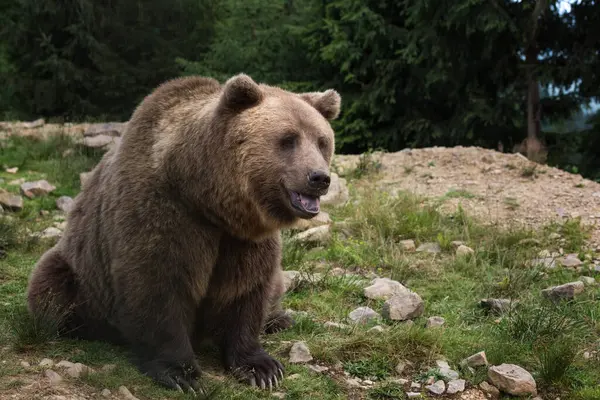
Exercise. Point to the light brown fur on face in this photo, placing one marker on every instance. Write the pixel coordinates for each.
(176, 235)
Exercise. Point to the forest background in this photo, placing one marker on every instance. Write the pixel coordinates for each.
(503, 74)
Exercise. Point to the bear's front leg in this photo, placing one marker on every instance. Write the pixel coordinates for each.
(242, 352)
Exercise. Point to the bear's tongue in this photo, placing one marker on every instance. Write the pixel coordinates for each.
(310, 203)
(306, 203)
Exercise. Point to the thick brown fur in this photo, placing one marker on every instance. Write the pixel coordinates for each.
(175, 236)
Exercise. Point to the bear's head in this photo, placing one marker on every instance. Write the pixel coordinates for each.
(284, 144)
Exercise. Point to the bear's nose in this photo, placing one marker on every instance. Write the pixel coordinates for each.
(319, 179)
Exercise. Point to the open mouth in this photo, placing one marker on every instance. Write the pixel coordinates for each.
(306, 204)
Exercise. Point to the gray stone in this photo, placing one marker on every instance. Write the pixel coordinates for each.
(588, 281)
(403, 306)
(126, 393)
(338, 193)
(54, 377)
(13, 170)
(489, 389)
(431, 247)
(10, 201)
(445, 371)
(477, 360)
(299, 353)
(544, 262)
(407, 245)
(401, 366)
(568, 291)
(463, 251)
(512, 379)
(383, 289)
(105, 393)
(363, 315)
(33, 124)
(51, 233)
(435, 322)
(47, 363)
(336, 325)
(437, 388)
(37, 188)
(413, 395)
(376, 329)
(65, 203)
(318, 368)
(320, 219)
(571, 261)
(107, 128)
(25, 364)
(65, 364)
(100, 141)
(290, 279)
(455, 386)
(78, 370)
(320, 234)
(498, 306)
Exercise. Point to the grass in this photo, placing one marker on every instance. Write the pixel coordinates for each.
(545, 338)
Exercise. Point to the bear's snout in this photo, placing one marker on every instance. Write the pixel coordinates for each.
(319, 180)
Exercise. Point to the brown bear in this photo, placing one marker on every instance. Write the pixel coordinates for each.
(175, 237)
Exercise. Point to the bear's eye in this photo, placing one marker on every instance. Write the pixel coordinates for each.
(289, 141)
(322, 144)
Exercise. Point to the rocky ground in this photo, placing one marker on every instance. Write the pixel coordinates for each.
(395, 296)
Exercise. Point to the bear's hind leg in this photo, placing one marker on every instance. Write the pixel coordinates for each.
(51, 292)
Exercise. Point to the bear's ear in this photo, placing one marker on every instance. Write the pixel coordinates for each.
(240, 92)
(328, 103)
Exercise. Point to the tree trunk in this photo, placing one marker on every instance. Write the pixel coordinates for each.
(534, 146)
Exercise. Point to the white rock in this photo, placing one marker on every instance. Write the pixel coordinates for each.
(445, 371)
(571, 261)
(403, 306)
(463, 251)
(320, 219)
(337, 325)
(106, 128)
(455, 386)
(299, 353)
(10, 201)
(51, 232)
(363, 315)
(431, 247)
(413, 395)
(78, 370)
(338, 193)
(12, 170)
(25, 364)
(512, 379)
(126, 393)
(408, 245)
(383, 289)
(376, 329)
(290, 279)
(437, 388)
(401, 366)
(567, 291)
(65, 364)
(53, 377)
(65, 203)
(435, 322)
(588, 281)
(318, 368)
(37, 188)
(477, 360)
(320, 234)
(105, 393)
(46, 362)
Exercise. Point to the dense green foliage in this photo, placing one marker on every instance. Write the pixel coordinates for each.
(412, 73)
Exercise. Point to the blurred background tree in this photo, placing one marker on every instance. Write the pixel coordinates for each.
(517, 75)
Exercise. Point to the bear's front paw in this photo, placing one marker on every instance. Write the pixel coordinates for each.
(278, 322)
(259, 369)
(179, 376)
